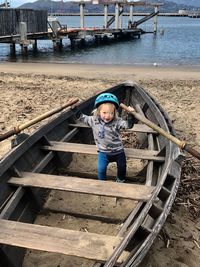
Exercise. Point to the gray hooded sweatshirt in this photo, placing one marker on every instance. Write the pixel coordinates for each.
(106, 135)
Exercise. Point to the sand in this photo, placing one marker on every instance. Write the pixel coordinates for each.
(30, 89)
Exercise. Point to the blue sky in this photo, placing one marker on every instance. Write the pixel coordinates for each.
(16, 3)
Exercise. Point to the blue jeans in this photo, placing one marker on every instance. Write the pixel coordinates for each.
(103, 161)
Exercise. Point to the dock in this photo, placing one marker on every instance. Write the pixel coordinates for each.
(194, 15)
(25, 27)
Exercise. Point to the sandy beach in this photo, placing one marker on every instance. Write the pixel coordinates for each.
(30, 89)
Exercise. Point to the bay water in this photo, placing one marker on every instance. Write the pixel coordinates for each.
(177, 43)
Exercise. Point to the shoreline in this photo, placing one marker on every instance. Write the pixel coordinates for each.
(95, 71)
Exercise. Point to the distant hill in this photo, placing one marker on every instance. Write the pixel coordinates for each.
(195, 3)
(73, 7)
(175, 5)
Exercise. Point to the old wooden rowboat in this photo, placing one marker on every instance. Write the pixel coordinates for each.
(55, 212)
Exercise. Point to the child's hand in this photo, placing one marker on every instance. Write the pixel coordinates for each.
(131, 109)
(72, 100)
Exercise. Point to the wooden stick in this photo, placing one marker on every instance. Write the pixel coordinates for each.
(181, 144)
(21, 127)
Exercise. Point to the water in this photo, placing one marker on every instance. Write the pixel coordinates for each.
(178, 46)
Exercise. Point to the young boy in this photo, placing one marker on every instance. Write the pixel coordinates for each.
(106, 125)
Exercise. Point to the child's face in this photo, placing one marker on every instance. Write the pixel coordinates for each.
(107, 112)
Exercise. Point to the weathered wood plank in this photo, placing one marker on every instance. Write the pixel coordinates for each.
(92, 149)
(12, 203)
(134, 177)
(10, 18)
(82, 185)
(141, 128)
(57, 240)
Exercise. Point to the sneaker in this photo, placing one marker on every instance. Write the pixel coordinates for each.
(118, 180)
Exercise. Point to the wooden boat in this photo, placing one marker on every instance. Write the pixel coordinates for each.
(49, 175)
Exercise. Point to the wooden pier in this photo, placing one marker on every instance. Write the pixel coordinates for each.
(135, 14)
(25, 27)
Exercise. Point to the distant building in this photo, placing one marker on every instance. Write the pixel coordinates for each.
(183, 12)
(108, 1)
(95, 2)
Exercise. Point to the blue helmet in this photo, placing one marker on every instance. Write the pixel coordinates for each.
(106, 98)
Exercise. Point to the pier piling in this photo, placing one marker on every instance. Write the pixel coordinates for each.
(120, 16)
(57, 44)
(116, 16)
(12, 49)
(155, 21)
(131, 13)
(35, 46)
(82, 5)
(23, 38)
(23, 32)
(105, 16)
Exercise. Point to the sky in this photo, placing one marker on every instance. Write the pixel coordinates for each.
(17, 3)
